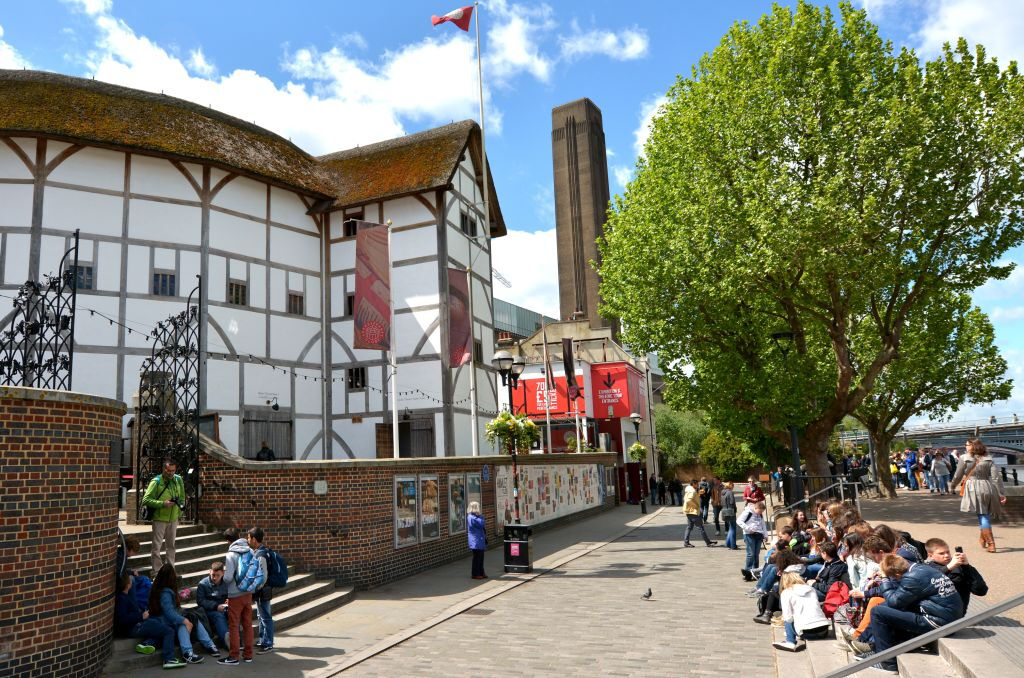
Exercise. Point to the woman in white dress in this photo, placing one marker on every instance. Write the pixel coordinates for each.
(981, 487)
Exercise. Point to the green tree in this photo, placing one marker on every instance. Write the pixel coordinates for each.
(808, 179)
(680, 435)
(728, 457)
(948, 358)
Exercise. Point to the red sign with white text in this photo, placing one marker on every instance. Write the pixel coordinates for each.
(539, 399)
(619, 390)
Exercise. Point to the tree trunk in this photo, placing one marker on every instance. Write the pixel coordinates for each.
(882, 444)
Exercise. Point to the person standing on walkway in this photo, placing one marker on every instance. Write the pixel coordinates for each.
(728, 500)
(752, 493)
(716, 504)
(653, 482)
(165, 496)
(692, 509)
(661, 490)
(243, 577)
(704, 489)
(752, 523)
(981, 489)
(941, 471)
(264, 593)
(477, 530)
(910, 462)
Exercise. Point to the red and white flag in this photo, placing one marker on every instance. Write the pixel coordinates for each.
(460, 17)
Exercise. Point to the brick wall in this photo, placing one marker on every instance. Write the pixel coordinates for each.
(58, 520)
(348, 533)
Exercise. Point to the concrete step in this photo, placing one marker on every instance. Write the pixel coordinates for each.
(210, 551)
(314, 608)
(970, 655)
(919, 665)
(825, 656)
(295, 580)
(184, 541)
(192, 574)
(790, 664)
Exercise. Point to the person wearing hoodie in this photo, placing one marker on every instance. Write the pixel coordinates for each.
(692, 508)
(801, 613)
(729, 516)
(918, 598)
(832, 570)
(751, 521)
(163, 602)
(134, 621)
(964, 576)
(212, 596)
(243, 575)
(262, 595)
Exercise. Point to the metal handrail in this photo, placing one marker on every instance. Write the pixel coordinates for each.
(807, 500)
(929, 637)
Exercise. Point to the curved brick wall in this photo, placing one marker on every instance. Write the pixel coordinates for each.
(58, 520)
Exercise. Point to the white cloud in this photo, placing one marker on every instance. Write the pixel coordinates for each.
(622, 175)
(1008, 313)
(609, 152)
(199, 65)
(9, 57)
(513, 44)
(530, 262)
(996, 24)
(624, 45)
(648, 111)
(91, 7)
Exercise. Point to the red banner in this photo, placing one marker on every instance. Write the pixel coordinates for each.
(619, 390)
(460, 327)
(372, 313)
(539, 400)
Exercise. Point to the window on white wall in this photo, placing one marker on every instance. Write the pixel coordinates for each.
(296, 303)
(478, 351)
(355, 378)
(348, 228)
(238, 293)
(84, 276)
(350, 304)
(467, 223)
(163, 284)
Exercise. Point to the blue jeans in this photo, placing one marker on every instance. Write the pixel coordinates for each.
(984, 522)
(201, 635)
(933, 483)
(768, 577)
(812, 570)
(266, 620)
(692, 522)
(943, 481)
(753, 544)
(220, 624)
(730, 535)
(156, 630)
(890, 627)
(911, 480)
(820, 632)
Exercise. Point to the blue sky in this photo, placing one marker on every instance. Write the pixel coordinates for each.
(330, 75)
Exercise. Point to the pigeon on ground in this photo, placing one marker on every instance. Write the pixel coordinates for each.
(646, 596)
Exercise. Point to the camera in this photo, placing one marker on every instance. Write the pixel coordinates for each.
(180, 503)
(959, 549)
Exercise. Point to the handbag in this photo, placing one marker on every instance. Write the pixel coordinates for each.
(149, 511)
(963, 483)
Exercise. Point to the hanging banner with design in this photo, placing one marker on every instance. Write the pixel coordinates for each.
(372, 312)
(570, 370)
(460, 329)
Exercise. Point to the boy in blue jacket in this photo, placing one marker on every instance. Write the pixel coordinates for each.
(133, 621)
(918, 598)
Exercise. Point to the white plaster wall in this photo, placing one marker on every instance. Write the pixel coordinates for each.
(16, 261)
(17, 205)
(217, 278)
(234, 235)
(307, 430)
(258, 286)
(288, 335)
(138, 270)
(161, 221)
(245, 330)
(307, 391)
(221, 375)
(361, 438)
(406, 210)
(277, 289)
(95, 167)
(343, 254)
(156, 176)
(418, 242)
(295, 249)
(241, 194)
(415, 285)
(262, 383)
(107, 263)
(462, 426)
(11, 165)
(287, 208)
(410, 328)
(95, 373)
(190, 268)
(229, 437)
(92, 212)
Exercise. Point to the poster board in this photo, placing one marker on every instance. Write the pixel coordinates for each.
(546, 491)
(406, 511)
(474, 490)
(430, 508)
(458, 504)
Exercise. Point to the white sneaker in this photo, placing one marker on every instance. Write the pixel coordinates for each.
(788, 646)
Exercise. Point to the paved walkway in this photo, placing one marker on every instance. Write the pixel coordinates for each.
(584, 616)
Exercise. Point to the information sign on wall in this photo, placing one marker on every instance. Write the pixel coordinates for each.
(406, 510)
(547, 491)
(474, 490)
(457, 505)
(430, 509)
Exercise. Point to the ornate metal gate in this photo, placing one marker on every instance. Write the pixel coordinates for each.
(167, 419)
(39, 348)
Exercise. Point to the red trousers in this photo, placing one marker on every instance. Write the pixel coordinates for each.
(240, 612)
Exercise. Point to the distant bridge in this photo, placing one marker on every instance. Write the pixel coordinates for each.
(1002, 439)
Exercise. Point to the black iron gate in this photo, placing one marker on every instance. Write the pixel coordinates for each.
(167, 419)
(39, 348)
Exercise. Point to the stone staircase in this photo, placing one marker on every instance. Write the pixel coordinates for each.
(992, 649)
(303, 598)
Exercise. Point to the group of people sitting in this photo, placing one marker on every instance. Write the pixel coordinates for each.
(879, 585)
(151, 610)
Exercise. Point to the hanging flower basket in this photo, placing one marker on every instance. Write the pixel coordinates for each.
(637, 452)
(506, 428)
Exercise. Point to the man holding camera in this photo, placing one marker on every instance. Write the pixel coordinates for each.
(165, 496)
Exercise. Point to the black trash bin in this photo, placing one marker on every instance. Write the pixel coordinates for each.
(518, 547)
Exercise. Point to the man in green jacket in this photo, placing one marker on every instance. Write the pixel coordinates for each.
(166, 496)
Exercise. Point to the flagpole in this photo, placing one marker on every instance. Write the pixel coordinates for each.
(487, 225)
(472, 364)
(394, 354)
(549, 381)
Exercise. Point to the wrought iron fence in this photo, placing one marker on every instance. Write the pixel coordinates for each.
(38, 349)
(170, 393)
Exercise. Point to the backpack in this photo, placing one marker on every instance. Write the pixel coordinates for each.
(838, 594)
(248, 576)
(277, 568)
(142, 586)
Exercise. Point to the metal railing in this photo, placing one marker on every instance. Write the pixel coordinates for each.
(930, 637)
(843, 485)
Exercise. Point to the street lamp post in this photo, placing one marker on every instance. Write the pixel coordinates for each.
(510, 368)
(636, 419)
(784, 342)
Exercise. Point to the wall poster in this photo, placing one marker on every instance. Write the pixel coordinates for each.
(546, 491)
(457, 503)
(405, 511)
(430, 509)
(474, 490)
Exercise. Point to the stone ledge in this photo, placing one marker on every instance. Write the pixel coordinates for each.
(26, 393)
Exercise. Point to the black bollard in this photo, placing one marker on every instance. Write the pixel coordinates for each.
(1015, 477)
(1003, 470)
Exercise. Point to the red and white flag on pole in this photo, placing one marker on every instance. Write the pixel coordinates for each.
(460, 17)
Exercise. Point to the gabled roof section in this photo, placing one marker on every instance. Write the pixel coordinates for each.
(411, 164)
(38, 103)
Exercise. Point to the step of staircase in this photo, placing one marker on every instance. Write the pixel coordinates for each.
(208, 552)
(915, 665)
